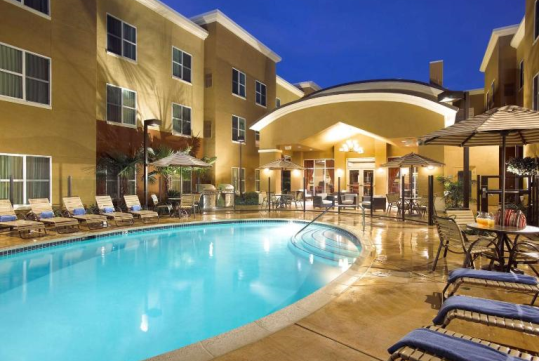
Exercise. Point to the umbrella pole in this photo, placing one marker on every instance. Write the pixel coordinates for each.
(504, 135)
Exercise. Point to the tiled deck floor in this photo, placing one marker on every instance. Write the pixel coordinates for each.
(398, 294)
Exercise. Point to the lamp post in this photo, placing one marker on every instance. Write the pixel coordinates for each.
(147, 123)
(241, 141)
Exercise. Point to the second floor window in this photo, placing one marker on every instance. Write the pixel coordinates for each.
(121, 105)
(181, 65)
(121, 38)
(24, 75)
(238, 129)
(277, 103)
(181, 119)
(257, 138)
(38, 5)
(238, 83)
(260, 93)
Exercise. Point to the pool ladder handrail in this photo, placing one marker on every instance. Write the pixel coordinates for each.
(314, 220)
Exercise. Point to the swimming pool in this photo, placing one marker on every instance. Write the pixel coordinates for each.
(133, 296)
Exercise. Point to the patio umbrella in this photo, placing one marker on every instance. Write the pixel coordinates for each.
(181, 160)
(412, 160)
(281, 164)
(505, 126)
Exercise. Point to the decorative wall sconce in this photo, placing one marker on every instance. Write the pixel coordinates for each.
(351, 146)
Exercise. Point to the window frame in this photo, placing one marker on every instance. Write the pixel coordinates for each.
(190, 120)
(30, 9)
(24, 177)
(238, 133)
(23, 75)
(244, 172)
(239, 84)
(122, 39)
(112, 122)
(182, 66)
(262, 96)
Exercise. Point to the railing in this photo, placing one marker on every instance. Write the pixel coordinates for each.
(314, 220)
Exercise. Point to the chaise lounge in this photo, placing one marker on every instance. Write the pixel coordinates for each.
(133, 206)
(76, 209)
(26, 229)
(42, 209)
(106, 208)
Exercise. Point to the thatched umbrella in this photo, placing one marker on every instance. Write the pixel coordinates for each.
(509, 125)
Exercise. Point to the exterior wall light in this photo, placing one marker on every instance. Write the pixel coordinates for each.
(351, 145)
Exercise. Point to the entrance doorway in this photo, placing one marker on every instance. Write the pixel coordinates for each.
(286, 183)
(360, 175)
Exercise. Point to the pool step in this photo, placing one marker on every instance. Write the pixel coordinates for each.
(325, 245)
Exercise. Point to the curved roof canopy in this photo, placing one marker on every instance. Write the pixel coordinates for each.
(393, 90)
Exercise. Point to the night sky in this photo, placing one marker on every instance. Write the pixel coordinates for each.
(333, 42)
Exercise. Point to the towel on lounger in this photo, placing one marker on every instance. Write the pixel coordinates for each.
(488, 307)
(108, 210)
(491, 276)
(136, 208)
(47, 214)
(8, 218)
(450, 348)
(79, 212)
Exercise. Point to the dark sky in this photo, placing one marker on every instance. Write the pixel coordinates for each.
(338, 41)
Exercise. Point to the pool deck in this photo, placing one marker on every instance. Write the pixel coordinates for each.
(396, 294)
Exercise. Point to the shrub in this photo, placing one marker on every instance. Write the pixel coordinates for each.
(249, 199)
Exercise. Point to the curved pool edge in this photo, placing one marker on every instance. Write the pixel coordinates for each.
(219, 345)
(224, 343)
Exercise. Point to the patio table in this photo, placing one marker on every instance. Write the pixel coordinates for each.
(502, 236)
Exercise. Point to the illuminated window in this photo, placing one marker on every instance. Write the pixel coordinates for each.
(31, 177)
(238, 128)
(181, 119)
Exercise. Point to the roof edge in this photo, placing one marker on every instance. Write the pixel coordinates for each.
(288, 86)
(308, 84)
(519, 35)
(169, 13)
(496, 34)
(219, 17)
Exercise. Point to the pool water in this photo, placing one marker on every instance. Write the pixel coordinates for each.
(131, 297)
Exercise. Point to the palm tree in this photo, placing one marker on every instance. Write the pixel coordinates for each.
(121, 165)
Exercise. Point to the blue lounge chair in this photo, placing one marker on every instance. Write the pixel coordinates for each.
(502, 280)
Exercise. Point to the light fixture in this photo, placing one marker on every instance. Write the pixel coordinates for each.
(351, 145)
(430, 167)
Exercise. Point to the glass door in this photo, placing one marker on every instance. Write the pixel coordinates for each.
(286, 183)
(367, 177)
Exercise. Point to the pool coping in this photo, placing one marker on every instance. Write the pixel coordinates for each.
(219, 345)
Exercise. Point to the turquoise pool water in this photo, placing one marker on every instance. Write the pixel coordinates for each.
(131, 297)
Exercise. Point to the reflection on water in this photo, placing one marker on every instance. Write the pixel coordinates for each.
(144, 294)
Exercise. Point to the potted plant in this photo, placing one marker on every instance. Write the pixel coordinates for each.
(249, 201)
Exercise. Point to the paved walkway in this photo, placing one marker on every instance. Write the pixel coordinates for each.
(397, 294)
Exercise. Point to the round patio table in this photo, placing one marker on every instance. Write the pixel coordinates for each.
(502, 235)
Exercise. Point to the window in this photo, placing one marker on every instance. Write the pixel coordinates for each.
(260, 93)
(235, 180)
(111, 183)
(41, 6)
(24, 75)
(521, 75)
(277, 103)
(181, 65)
(257, 180)
(121, 38)
(208, 80)
(182, 182)
(238, 129)
(121, 105)
(257, 139)
(31, 177)
(181, 119)
(238, 83)
(320, 175)
(535, 94)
